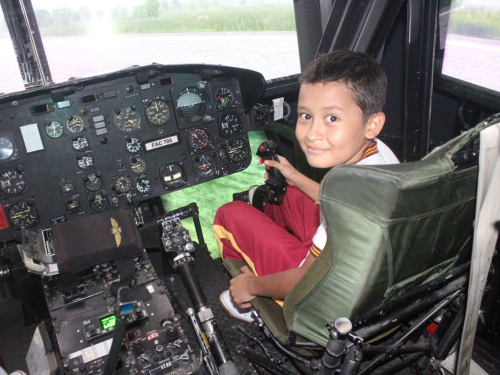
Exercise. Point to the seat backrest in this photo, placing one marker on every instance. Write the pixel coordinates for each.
(389, 228)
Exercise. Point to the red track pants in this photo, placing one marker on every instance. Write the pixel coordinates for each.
(272, 241)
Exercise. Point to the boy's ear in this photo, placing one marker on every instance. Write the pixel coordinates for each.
(374, 125)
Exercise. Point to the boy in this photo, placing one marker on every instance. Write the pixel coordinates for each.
(339, 116)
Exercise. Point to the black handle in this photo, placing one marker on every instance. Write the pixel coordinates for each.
(276, 182)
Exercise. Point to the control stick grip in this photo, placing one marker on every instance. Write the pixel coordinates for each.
(276, 182)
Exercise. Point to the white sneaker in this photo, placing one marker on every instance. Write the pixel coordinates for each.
(227, 304)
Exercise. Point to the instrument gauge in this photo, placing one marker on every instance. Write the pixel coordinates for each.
(172, 176)
(204, 166)
(229, 125)
(157, 112)
(137, 165)
(6, 148)
(80, 143)
(199, 138)
(85, 161)
(143, 185)
(133, 145)
(127, 120)
(23, 215)
(12, 182)
(99, 201)
(54, 129)
(237, 150)
(223, 98)
(75, 124)
(192, 104)
(93, 181)
(123, 184)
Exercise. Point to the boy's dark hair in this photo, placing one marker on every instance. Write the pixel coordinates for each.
(358, 71)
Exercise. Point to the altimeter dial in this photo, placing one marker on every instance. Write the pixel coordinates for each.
(157, 112)
(229, 125)
(12, 182)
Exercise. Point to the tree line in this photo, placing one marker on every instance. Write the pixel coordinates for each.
(150, 9)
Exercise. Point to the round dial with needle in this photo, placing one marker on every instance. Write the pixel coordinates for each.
(75, 124)
(12, 182)
(204, 166)
(143, 185)
(133, 144)
(229, 125)
(198, 138)
(137, 165)
(122, 184)
(158, 112)
(237, 150)
(6, 148)
(127, 120)
(54, 129)
(23, 215)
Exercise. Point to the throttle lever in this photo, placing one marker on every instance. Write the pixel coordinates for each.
(276, 182)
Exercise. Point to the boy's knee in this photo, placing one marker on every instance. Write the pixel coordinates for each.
(231, 212)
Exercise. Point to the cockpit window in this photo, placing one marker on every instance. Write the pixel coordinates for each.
(87, 37)
(10, 77)
(472, 35)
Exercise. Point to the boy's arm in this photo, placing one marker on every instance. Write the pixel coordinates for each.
(247, 286)
(295, 178)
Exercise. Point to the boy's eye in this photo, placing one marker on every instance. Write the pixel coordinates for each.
(305, 116)
(331, 118)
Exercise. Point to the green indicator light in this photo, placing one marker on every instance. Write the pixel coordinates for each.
(108, 321)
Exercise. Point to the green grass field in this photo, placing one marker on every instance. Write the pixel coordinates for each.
(213, 194)
(476, 22)
(256, 18)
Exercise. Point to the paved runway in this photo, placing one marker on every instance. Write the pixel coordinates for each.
(274, 54)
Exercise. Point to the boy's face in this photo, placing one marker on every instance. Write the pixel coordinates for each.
(330, 127)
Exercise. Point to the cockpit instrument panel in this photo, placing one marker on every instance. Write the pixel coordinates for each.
(115, 140)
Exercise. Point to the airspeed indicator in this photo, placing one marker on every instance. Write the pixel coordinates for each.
(157, 112)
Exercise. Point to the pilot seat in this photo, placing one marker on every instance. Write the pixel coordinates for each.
(395, 266)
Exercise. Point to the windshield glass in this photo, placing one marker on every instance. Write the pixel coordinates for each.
(472, 47)
(85, 38)
(10, 76)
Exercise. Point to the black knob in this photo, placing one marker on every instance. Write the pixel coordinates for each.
(118, 111)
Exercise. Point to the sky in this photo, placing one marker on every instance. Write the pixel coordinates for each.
(482, 3)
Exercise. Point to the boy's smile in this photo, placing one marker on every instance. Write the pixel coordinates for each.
(330, 127)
